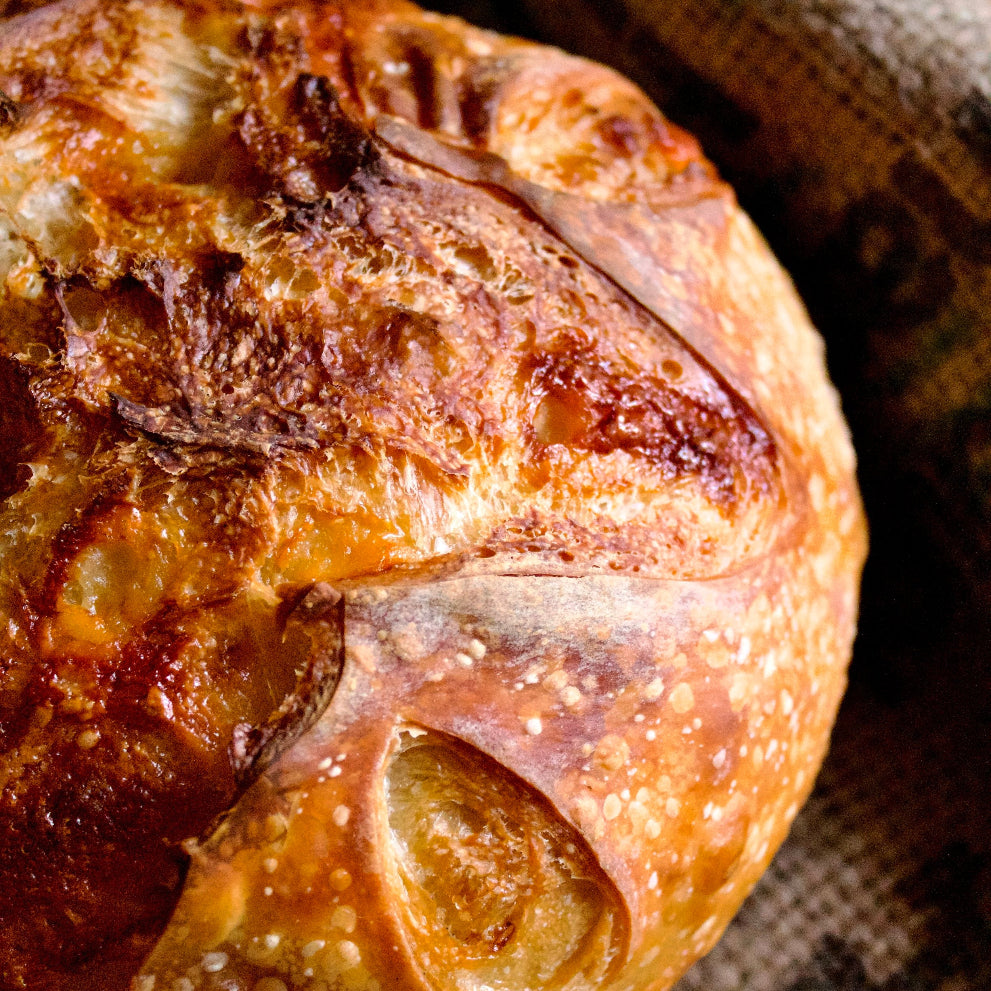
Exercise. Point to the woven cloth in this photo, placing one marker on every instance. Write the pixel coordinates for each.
(858, 134)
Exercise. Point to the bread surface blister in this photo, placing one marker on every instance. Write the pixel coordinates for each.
(429, 543)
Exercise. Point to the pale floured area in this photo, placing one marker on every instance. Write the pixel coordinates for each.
(430, 552)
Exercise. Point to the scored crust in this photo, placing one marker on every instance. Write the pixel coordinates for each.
(430, 542)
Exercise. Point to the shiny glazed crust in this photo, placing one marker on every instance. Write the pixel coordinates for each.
(429, 541)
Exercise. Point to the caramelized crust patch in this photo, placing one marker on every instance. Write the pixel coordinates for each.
(581, 402)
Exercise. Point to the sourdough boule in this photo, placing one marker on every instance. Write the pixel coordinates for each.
(429, 544)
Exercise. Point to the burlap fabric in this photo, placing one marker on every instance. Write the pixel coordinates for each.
(858, 134)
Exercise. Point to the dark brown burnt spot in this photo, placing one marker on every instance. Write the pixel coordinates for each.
(393, 345)
(624, 136)
(312, 148)
(10, 113)
(421, 57)
(478, 100)
(269, 46)
(259, 431)
(583, 401)
(21, 432)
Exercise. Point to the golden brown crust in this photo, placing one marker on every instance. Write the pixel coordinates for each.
(415, 432)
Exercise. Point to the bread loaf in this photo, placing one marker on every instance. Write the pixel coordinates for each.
(429, 544)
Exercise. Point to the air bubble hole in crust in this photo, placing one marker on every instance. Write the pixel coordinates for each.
(498, 891)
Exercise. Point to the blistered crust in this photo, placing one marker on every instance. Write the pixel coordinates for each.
(401, 425)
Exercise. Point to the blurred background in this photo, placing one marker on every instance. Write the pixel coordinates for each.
(857, 133)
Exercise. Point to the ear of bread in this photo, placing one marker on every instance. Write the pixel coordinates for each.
(430, 542)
